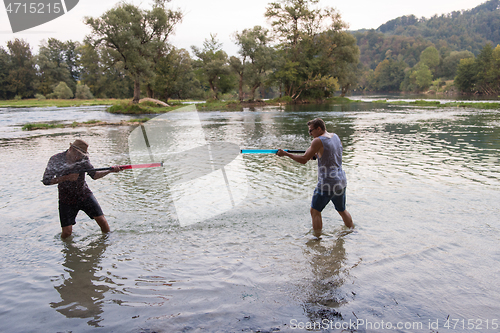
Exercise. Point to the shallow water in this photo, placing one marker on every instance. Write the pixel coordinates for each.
(423, 190)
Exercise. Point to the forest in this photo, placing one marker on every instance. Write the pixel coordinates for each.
(306, 54)
(452, 53)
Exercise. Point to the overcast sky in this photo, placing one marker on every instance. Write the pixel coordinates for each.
(224, 17)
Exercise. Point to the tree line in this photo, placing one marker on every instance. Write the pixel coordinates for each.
(410, 54)
(307, 53)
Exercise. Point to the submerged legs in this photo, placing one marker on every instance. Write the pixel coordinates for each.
(346, 217)
(317, 221)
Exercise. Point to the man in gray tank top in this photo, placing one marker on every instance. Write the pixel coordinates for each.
(332, 180)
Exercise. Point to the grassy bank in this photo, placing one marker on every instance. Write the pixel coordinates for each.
(38, 126)
(239, 106)
(119, 105)
(431, 103)
(220, 106)
(122, 106)
(478, 105)
(35, 126)
(142, 108)
(62, 103)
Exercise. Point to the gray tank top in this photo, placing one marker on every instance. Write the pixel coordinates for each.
(331, 177)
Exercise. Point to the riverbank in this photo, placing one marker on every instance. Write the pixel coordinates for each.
(430, 103)
(124, 106)
(38, 126)
(61, 103)
(239, 106)
(119, 104)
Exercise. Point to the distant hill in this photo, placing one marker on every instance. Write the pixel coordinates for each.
(405, 37)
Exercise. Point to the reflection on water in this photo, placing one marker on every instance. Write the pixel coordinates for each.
(82, 293)
(327, 257)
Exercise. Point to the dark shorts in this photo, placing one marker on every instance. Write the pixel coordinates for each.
(67, 213)
(321, 199)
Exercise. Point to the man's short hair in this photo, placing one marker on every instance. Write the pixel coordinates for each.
(317, 122)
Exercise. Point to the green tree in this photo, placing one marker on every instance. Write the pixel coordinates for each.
(212, 65)
(256, 58)
(135, 37)
(91, 67)
(175, 76)
(295, 20)
(465, 80)
(22, 73)
(496, 69)
(422, 76)
(71, 58)
(4, 74)
(388, 76)
(303, 32)
(339, 56)
(238, 67)
(448, 68)
(430, 58)
(54, 65)
(104, 77)
(116, 82)
(417, 79)
(496, 53)
(480, 75)
(487, 80)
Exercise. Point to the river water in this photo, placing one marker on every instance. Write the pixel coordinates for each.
(423, 191)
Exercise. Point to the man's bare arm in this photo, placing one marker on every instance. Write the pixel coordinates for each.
(100, 174)
(315, 147)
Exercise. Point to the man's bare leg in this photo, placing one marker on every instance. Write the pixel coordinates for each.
(346, 217)
(66, 231)
(317, 222)
(101, 221)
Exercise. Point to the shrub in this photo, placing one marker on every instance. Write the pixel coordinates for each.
(126, 108)
(83, 92)
(62, 91)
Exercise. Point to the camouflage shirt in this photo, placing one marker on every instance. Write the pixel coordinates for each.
(69, 192)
